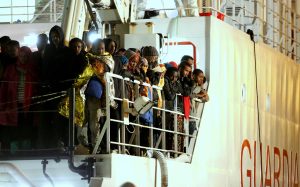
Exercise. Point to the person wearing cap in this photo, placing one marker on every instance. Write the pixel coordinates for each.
(124, 61)
(171, 64)
(151, 54)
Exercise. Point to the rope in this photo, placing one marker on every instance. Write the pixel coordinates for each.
(34, 97)
(39, 102)
(257, 106)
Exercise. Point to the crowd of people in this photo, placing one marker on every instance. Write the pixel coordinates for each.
(34, 104)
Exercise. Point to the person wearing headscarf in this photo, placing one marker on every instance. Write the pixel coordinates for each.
(131, 90)
(147, 117)
(133, 60)
(95, 93)
(142, 70)
(95, 97)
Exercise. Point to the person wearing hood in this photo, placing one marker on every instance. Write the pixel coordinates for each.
(151, 54)
(56, 57)
(55, 73)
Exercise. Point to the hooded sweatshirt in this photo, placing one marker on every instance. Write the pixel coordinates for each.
(56, 62)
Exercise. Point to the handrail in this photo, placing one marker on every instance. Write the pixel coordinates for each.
(52, 13)
(161, 130)
(41, 11)
(286, 42)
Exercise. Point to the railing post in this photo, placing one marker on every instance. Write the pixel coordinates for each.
(107, 106)
(54, 10)
(175, 128)
(151, 130)
(123, 131)
(71, 117)
(11, 12)
(186, 132)
(163, 125)
(138, 129)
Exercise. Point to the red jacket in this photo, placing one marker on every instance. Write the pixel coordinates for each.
(9, 92)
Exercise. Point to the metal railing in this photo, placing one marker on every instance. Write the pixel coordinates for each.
(275, 23)
(49, 12)
(159, 132)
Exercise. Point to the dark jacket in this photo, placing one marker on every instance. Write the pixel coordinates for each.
(187, 85)
(170, 90)
(118, 69)
(56, 63)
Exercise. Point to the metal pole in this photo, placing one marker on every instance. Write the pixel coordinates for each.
(11, 12)
(186, 131)
(123, 130)
(175, 127)
(51, 13)
(54, 10)
(27, 11)
(108, 112)
(151, 130)
(71, 118)
(163, 126)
